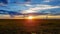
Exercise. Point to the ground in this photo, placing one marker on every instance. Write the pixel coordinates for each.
(26, 26)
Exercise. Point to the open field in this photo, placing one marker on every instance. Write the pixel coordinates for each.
(25, 17)
(26, 26)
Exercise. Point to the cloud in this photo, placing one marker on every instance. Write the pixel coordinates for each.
(47, 0)
(28, 5)
(2, 4)
(39, 7)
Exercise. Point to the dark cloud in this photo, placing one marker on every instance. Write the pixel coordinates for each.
(3, 1)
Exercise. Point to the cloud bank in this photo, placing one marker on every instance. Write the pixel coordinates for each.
(37, 7)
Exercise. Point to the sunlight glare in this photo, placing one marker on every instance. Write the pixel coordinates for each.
(30, 17)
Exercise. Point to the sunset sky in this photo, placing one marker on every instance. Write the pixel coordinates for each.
(31, 6)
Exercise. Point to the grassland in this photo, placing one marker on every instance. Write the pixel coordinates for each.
(21, 26)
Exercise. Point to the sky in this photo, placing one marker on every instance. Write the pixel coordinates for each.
(31, 6)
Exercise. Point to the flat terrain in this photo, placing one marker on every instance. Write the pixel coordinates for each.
(34, 16)
(26, 26)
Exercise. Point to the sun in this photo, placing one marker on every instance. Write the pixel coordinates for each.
(30, 17)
